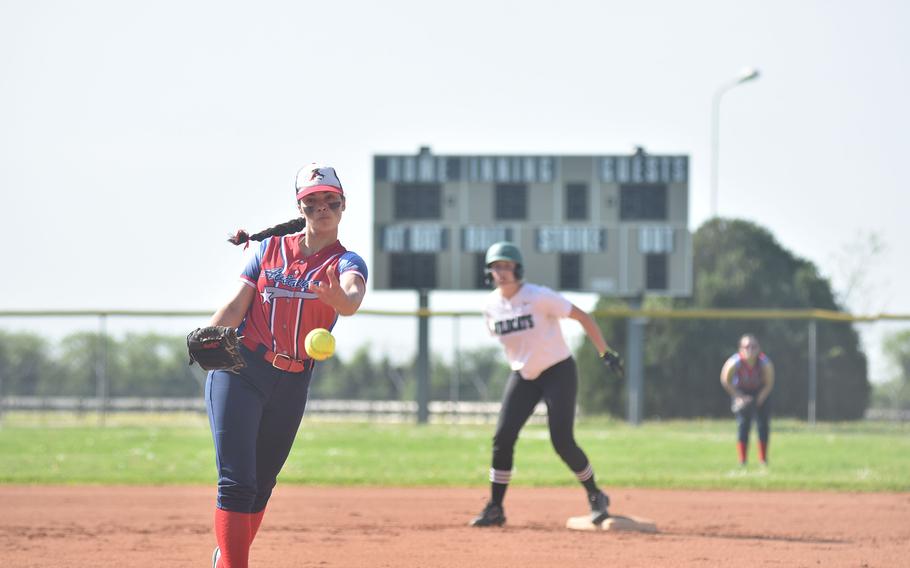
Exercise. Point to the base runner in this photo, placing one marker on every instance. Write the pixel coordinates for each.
(525, 317)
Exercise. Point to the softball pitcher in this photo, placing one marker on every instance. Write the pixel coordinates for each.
(525, 318)
(748, 377)
(296, 281)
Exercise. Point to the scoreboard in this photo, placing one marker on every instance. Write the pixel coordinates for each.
(614, 225)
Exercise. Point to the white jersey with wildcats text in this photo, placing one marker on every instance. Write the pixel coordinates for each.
(527, 325)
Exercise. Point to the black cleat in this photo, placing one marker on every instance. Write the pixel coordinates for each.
(599, 503)
(492, 516)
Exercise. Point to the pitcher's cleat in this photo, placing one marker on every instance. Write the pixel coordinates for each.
(492, 516)
(215, 556)
(599, 503)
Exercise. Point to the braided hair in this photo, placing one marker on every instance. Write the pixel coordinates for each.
(292, 226)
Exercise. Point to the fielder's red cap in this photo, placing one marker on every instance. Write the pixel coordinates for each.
(316, 177)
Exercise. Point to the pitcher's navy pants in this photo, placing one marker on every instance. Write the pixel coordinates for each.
(254, 415)
(762, 416)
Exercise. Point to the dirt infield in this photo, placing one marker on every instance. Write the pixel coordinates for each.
(405, 528)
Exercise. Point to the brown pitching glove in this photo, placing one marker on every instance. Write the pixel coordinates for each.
(215, 347)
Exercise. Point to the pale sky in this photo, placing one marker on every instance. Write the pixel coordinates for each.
(134, 137)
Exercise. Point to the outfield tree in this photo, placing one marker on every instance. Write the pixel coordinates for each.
(359, 378)
(895, 392)
(395, 376)
(25, 360)
(483, 372)
(480, 374)
(150, 365)
(79, 357)
(897, 350)
(330, 379)
(363, 377)
(140, 365)
(738, 265)
(154, 365)
(441, 376)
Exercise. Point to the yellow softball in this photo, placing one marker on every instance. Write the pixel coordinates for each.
(319, 344)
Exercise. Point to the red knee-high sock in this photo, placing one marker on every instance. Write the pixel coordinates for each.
(763, 451)
(742, 448)
(255, 521)
(232, 530)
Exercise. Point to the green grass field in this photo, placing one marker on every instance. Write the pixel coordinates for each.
(177, 449)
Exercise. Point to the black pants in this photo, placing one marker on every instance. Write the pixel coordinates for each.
(558, 387)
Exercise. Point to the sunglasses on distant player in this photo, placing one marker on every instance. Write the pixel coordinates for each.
(333, 205)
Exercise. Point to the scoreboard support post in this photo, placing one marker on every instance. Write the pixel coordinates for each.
(635, 364)
(423, 357)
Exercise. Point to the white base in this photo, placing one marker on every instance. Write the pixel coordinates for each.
(617, 523)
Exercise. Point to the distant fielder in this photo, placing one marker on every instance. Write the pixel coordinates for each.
(525, 317)
(748, 376)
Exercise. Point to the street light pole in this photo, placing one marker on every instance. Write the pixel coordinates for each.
(747, 74)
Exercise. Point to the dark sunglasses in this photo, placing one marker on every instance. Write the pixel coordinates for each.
(333, 205)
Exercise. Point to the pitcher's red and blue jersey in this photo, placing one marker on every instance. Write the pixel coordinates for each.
(284, 311)
(748, 378)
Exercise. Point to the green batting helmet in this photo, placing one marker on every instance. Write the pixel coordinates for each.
(503, 250)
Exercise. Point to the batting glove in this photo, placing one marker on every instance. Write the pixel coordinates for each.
(613, 361)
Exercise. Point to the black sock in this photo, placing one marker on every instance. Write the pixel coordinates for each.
(590, 485)
(498, 492)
